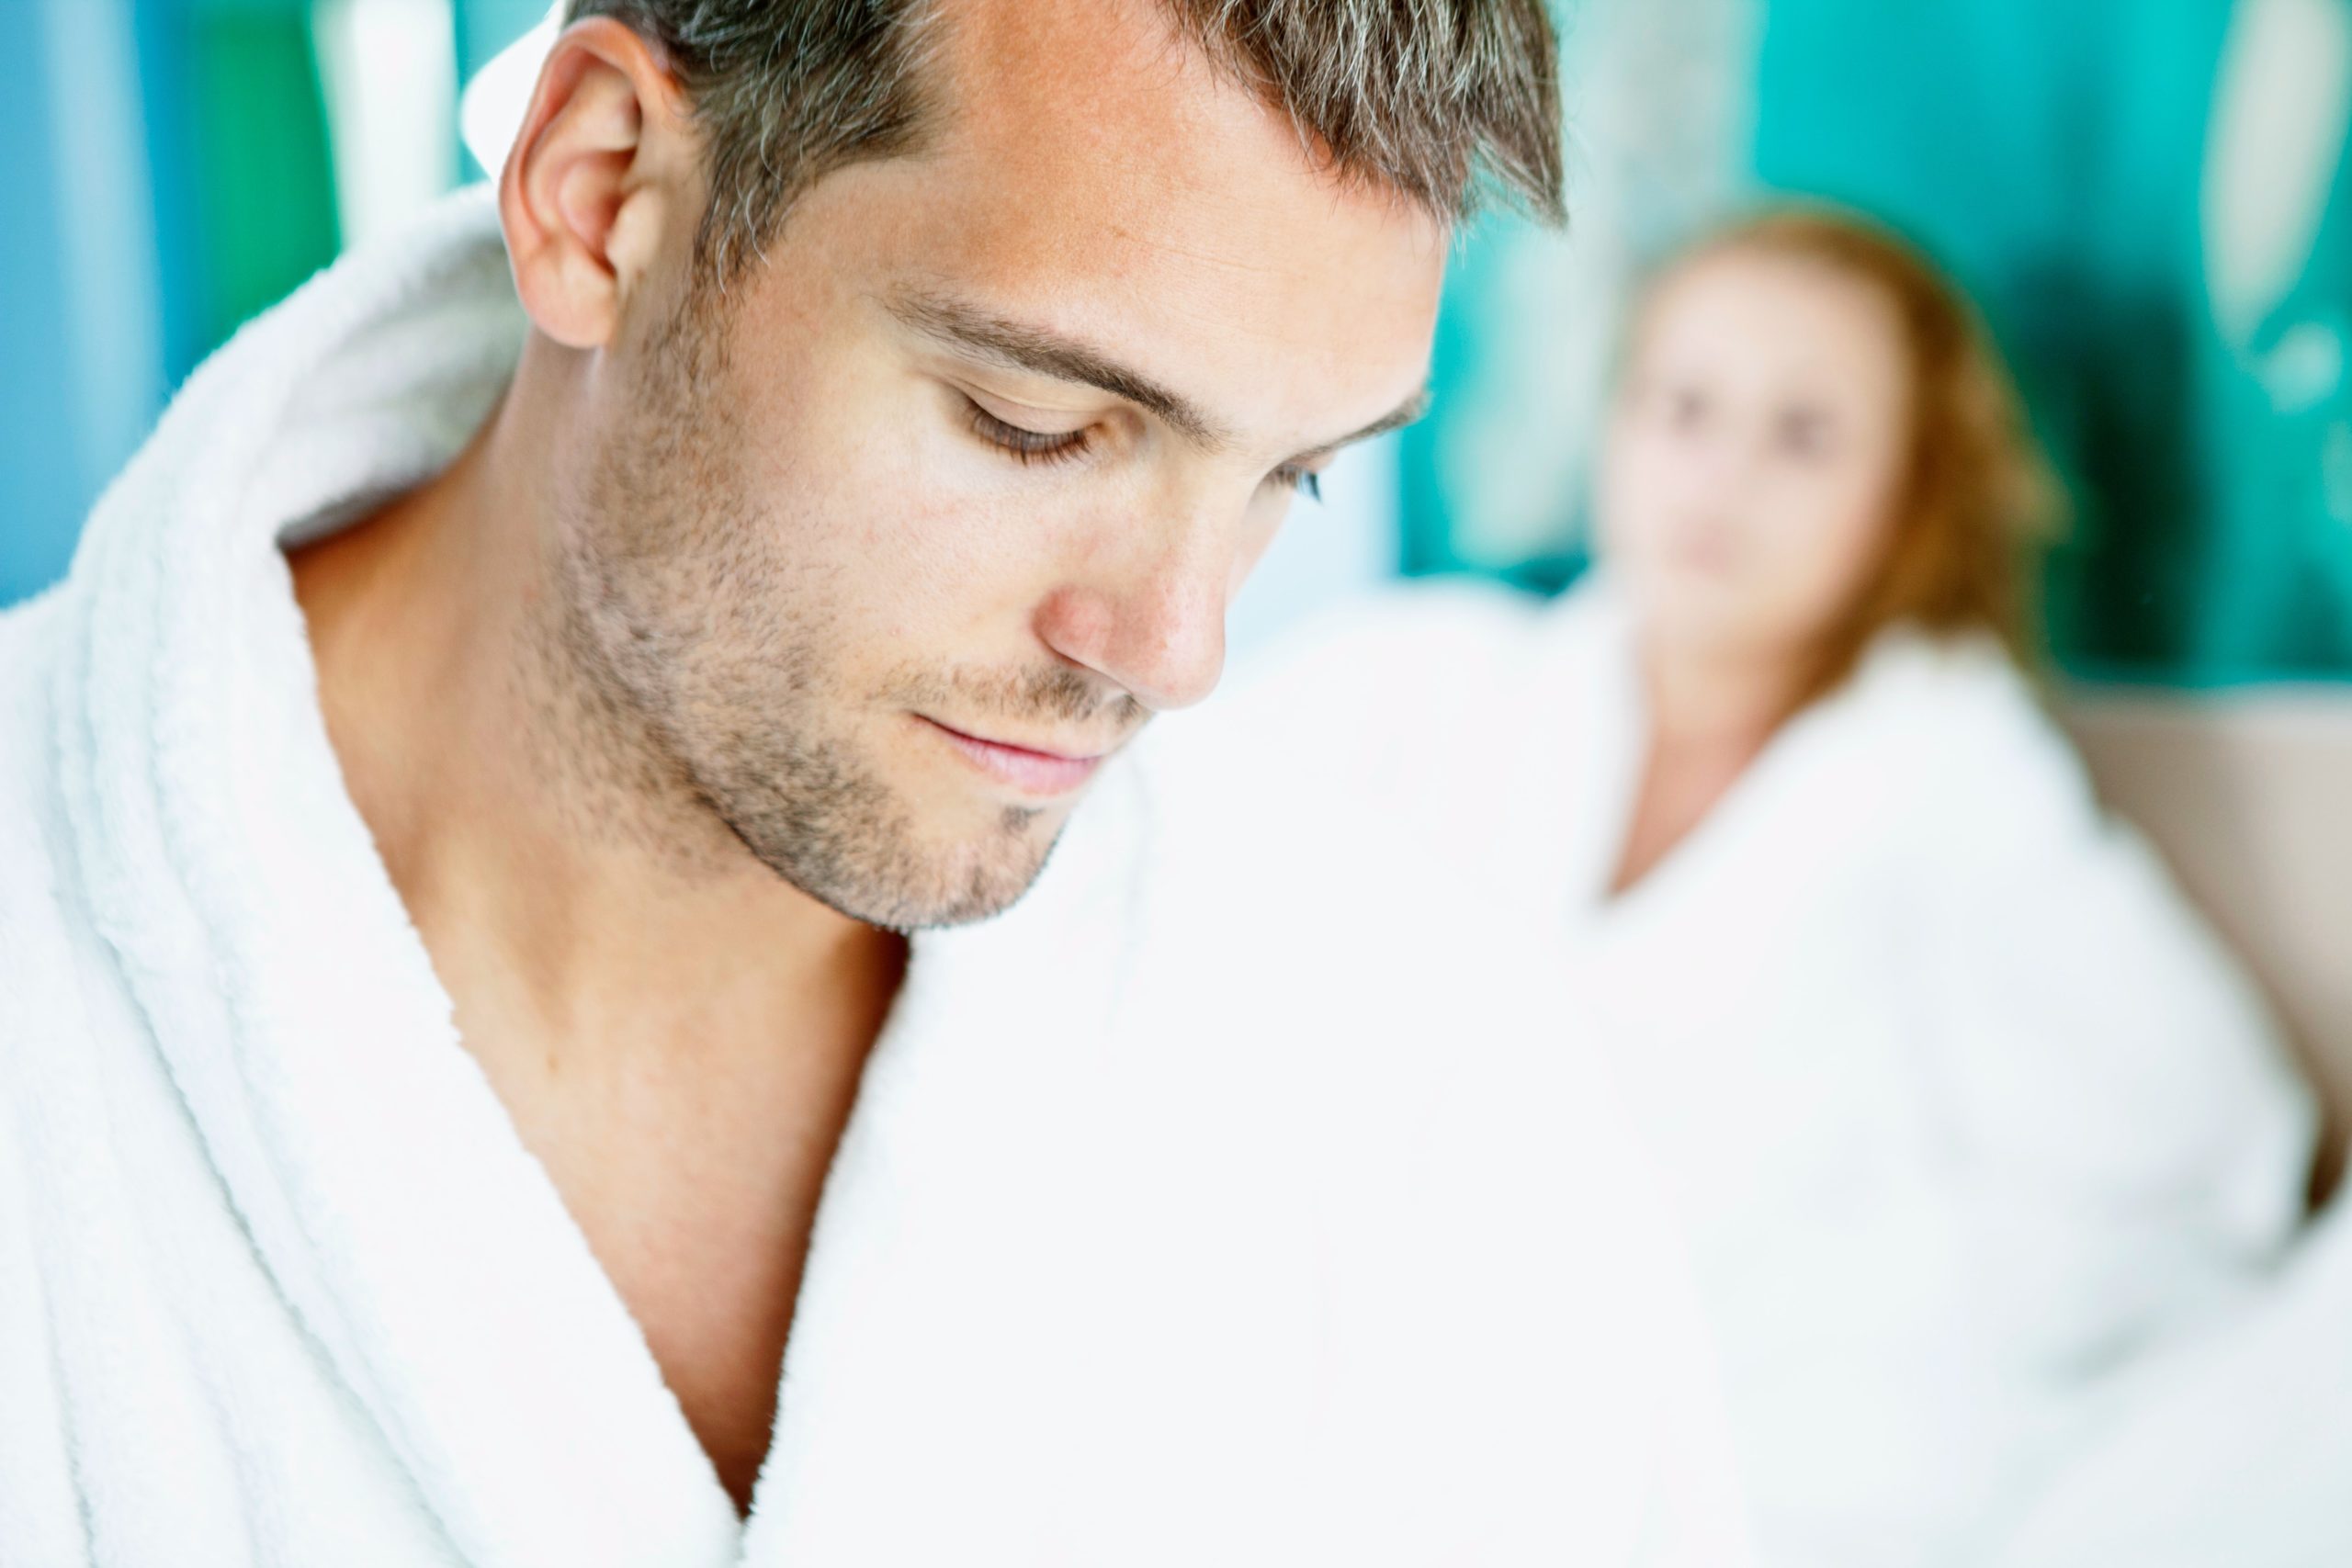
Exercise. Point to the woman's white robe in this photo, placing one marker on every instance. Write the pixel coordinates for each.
(2232, 1448)
(1153, 1239)
(1961, 1105)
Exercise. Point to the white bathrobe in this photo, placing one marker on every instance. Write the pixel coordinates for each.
(2235, 1450)
(1961, 1105)
(1154, 1237)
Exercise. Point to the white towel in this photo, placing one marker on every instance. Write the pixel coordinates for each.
(1154, 1238)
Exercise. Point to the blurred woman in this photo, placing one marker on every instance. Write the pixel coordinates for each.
(1962, 1106)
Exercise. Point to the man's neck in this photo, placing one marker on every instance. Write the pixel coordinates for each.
(576, 913)
(675, 1031)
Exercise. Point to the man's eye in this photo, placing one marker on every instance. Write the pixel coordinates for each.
(1028, 446)
(1306, 481)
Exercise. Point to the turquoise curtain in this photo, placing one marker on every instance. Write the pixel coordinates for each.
(229, 178)
(2277, 552)
(46, 474)
(2052, 155)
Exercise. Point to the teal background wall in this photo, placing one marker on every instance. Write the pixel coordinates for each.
(2064, 160)
(180, 171)
(46, 482)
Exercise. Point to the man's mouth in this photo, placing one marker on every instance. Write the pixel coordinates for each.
(1033, 770)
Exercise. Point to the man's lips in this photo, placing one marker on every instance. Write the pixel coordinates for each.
(1025, 768)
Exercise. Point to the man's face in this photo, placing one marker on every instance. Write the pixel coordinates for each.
(883, 554)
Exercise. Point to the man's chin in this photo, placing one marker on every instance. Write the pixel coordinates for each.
(958, 884)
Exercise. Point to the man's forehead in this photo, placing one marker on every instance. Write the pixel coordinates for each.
(1094, 190)
(1110, 98)
(1015, 65)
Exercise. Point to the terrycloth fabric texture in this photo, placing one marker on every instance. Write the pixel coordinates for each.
(1964, 1109)
(1163, 1232)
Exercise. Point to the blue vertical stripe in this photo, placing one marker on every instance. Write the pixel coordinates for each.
(41, 488)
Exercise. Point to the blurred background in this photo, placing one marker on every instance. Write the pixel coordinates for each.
(186, 163)
(2150, 200)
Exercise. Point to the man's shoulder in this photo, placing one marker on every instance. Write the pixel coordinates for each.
(29, 634)
(28, 637)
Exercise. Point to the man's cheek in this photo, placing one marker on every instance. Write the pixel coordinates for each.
(963, 562)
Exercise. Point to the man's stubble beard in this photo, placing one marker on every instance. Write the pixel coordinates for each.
(680, 665)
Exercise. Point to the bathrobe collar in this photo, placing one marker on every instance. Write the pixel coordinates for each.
(1582, 770)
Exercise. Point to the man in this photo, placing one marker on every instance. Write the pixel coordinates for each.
(476, 782)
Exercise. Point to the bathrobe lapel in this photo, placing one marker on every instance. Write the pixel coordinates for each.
(381, 1182)
(383, 1186)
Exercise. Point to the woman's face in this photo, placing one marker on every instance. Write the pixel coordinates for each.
(1754, 453)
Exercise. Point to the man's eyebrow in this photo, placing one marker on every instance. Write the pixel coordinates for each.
(1397, 418)
(1046, 353)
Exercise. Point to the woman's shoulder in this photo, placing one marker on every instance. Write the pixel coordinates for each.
(1963, 674)
(1974, 746)
(1962, 703)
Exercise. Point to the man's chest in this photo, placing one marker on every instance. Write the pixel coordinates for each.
(699, 1209)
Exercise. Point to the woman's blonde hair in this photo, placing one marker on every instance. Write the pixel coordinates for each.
(1978, 497)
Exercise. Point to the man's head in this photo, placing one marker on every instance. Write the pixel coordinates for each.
(921, 379)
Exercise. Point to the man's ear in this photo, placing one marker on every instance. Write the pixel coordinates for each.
(601, 176)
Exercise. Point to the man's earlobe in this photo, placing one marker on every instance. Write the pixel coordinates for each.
(590, 181)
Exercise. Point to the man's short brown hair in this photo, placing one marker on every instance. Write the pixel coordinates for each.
(1434, 98)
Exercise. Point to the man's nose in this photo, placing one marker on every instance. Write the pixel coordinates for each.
(1152, 624)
